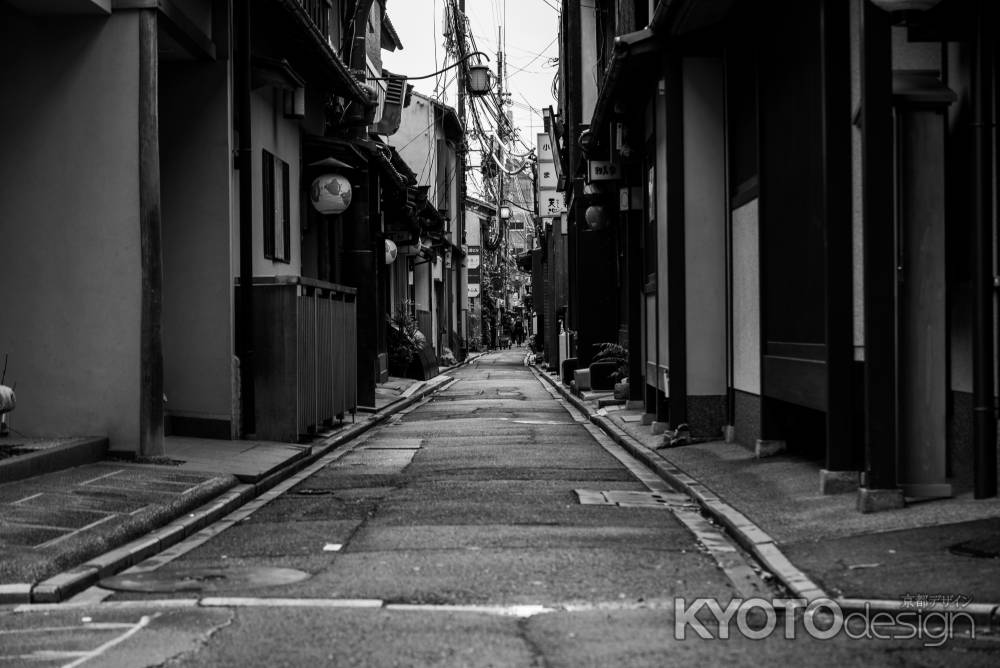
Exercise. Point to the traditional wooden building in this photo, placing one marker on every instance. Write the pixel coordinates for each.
(801, 231)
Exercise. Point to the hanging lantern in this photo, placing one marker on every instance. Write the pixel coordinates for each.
(391, 251)
(478, 82)
(330, 194)
(597, 217)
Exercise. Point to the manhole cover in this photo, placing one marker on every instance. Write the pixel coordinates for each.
(203, 579)
(982, 548)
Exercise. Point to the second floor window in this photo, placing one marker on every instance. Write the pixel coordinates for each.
(277, 208)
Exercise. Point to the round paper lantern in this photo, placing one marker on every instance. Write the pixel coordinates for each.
(330, 193)
(390, 251)
(597, 217)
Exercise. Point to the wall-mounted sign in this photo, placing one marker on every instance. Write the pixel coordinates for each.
(602, 170)
(547, 175)
(473, 290)
(544, 151)
(550, 202)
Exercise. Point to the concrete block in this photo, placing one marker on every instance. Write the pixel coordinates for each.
(769, 448)
(660, 427)
(838, 482)
(567, 367)
(64, 585)
(582, 379)
(15, 594)
(605, 402)
(877, 500)
(600, 375)
(635, 405)
(647, 419)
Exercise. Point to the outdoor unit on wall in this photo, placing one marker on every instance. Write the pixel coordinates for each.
(392, 109)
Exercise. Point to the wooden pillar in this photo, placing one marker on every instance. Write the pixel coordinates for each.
(842, 453)
(879, 490)
(150, 238)
(361, 271)
(675, 266)
(984, 404)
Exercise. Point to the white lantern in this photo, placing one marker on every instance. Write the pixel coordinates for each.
(391, 251)
(330, 193)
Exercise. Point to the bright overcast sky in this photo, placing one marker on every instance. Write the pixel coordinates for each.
(531, 45)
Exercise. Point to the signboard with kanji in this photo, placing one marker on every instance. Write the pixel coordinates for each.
(601, 170)
(550, 202)
(544, 148)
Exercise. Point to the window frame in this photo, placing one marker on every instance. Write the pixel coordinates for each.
(276, 220)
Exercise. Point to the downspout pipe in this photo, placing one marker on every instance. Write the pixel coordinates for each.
(244, 155)
(984, 415)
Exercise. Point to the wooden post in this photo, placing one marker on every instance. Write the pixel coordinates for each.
(150, 238)
(842, 454)
(880, 489)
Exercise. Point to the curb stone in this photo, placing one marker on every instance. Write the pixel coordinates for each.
(747, 534)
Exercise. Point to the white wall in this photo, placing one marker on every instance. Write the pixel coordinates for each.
(746, 299)
(279, 135)
(69, 224)
(704, 226)
(662, 299)
(588, 61)
(195, 164)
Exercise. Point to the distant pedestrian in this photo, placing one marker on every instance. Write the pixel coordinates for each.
(519, 333)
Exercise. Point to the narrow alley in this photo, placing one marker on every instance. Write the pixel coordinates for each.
(488, 525)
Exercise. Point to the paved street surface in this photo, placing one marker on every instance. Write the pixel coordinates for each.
(453, 535)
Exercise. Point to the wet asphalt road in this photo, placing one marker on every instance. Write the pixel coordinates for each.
(458, 520)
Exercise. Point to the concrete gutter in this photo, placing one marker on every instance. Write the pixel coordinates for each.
(70, 582)
(746, 533)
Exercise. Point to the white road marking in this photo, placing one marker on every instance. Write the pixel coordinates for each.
(27, 498)
(98, 626)
(49, 543)
(98, 651)
(102, 477)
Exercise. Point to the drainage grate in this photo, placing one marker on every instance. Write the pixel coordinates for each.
(631, 499)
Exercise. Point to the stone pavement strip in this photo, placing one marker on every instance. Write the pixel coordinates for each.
(61, 531)
(941, 554)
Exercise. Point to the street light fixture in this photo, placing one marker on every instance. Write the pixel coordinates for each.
(478, 81)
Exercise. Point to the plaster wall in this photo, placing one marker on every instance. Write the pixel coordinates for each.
(416, 141)
(69, 229)
(195, 161)
(660, 197)
(422, 286)
(746, 299)
(704, 226)
(272, 131)
(588, 61)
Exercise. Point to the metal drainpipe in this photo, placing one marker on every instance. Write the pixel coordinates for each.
(244, 325)
(984, 416)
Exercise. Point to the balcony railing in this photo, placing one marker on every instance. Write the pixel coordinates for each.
(305, 334)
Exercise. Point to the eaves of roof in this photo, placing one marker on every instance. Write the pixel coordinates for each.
(345, 83)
